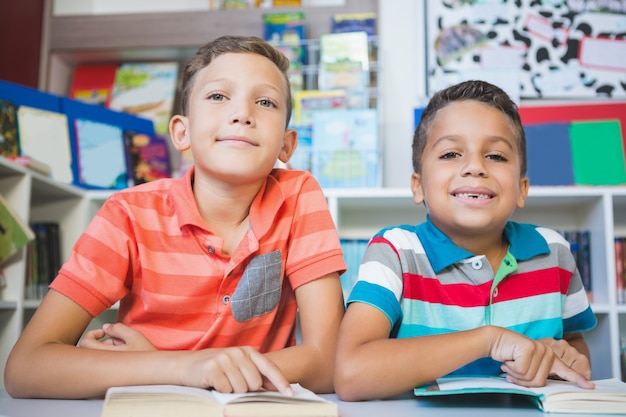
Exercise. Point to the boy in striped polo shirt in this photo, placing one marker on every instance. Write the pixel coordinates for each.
(468, 291)
(209, 269)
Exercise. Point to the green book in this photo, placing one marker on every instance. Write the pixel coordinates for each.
(14, 232)
(597, 152)
(608, 397)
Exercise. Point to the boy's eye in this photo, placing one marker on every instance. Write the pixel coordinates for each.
(266, 103)
(216, 97)
(497, 157)
(450, 155)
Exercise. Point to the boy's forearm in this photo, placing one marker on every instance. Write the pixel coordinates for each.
(398, 365)
(306, 365)
(63, 371)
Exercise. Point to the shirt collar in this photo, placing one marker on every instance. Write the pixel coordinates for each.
(524, 240)
(263, 210)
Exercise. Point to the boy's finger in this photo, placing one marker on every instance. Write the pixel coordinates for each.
(270, 371)
(560, 369)
(117, 330)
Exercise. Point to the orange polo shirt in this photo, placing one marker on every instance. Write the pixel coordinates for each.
(149, 248)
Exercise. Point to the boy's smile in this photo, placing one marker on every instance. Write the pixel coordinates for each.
(470, 179)
(475, 196)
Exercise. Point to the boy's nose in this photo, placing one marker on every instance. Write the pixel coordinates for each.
(242, 114)
(242, 120)
(475, 167)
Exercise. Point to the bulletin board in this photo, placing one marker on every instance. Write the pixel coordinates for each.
(531, 48)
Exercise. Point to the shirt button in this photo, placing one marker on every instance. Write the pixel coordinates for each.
(226, 299)
(477, 264)
(495, 292)
(211, 250)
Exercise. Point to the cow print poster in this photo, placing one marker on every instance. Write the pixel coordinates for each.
(532, 49)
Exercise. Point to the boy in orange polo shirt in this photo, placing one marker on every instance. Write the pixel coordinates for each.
(210, 268)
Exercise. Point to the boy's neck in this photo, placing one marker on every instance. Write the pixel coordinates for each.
(494, 248)
(225, 210)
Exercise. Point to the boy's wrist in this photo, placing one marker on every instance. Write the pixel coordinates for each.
(491, 336)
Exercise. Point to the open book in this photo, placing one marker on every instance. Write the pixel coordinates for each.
(174, 400)
(609, 396)
(14, 231)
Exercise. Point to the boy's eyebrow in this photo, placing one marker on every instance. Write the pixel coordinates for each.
(510, 143)
(492, 139)
(225, 80)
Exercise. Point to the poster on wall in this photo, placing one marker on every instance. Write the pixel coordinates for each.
(532, 49)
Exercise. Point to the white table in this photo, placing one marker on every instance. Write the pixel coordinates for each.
(402, 406)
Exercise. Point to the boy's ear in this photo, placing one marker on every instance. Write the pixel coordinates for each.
(290, 142)
(416, 188)
(524, 185)
(178, 132)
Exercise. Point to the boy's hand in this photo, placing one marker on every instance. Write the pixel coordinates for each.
(529, 363)
(116, 336)
(234, 369)
(569, 355)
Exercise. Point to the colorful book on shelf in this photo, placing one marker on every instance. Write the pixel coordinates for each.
(185, 162)
(286, 3)
(344, 64)
(354, 22)
(42, 128)
(45, 136)
(15, 233)
(100, 154)
(231, 4)
(584, 262)
(98, 143)
(308, 101)
(346, 148)
(147, 157)
(93, 83)
(549, 154)
(553, 113)
(175, 400)
(620, 272)
(353, 251)
(598, 152)
(609, 396)
(46, 258)
(302, 158)
(580, 247)
(286, 32)
(147, 90)
(9, 134)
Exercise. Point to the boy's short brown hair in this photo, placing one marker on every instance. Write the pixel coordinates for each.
(232, 44)
(481, 91)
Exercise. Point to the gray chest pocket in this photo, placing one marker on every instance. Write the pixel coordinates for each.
(258, 291)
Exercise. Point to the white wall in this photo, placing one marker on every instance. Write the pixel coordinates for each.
(403, 86)
(86, 7)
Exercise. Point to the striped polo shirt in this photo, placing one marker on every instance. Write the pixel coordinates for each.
(149, 248)
(426, 285)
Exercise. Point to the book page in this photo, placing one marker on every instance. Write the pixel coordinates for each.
(301, 394)
(101, 154)
(453, 385)
(14, 231)
(44, 135)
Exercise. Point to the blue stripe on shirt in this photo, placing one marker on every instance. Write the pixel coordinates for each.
(379, 297)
